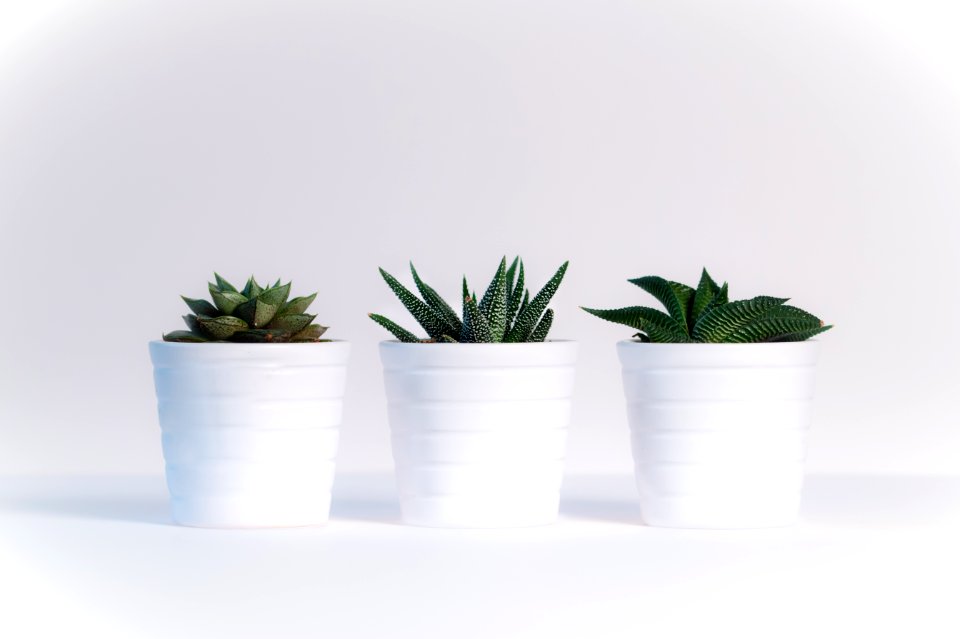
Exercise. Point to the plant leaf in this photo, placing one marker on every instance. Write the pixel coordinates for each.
(255, 312)
(425, 316)
(293, 323)
(437, 303)
(201, 307)
(707, 289)
(721, 322)
(398, 331)
(540, 332)
(275, 295)
(261, 335)
(193, 324)
(800, 336)
(518, 297)
(494, 303)
(476, 328)
(223, 285)
(674, 296)
(528, 317)
(447, 340)
(226, 301)
(311, 333)
(657, 325)
(252, 289)
(221, 327)
(184, 336)
(297, 305)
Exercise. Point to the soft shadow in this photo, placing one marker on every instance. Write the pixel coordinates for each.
(618, 511)
(881, 500)
(368, 497)
(143, 510)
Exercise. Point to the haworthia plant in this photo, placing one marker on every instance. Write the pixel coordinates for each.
(254, 314)
(705, 314)
(505, 313)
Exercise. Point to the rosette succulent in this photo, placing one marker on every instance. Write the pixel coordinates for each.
(705, 314)
(505, 313)
(254, 314)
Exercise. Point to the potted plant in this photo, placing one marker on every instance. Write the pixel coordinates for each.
(718, 400)
(479, 409)
(250, 399)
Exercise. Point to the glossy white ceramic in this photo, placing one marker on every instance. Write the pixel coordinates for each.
(479, 430)
(719, 430)
(250, 431)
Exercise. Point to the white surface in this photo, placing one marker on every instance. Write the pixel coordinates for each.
(874, 556)
(250, 431)
(479, 431)
(719, 431)
(805, 149)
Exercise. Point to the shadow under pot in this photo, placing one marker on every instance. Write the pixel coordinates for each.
(249, 431)
(479, 430)
(719, 430)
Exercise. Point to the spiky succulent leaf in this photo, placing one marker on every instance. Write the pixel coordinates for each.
(720, 323)
(425, 316)
(311, 333)
(184, 336)
(221, 327)
(674, 296)
(193, 324)
(201, 307)
(223, 285)
(437, 303)
(512, 274)
(275, 295)
(252, 289)
(540, 332)
(476, 327)
(292, 323)
(261, 335)
(769, 328)
(398, 331)
(494, 303)
(255, 312)
(800, 336)
(527, 318)
(297, 305)
(518, 297)
(657, 325)
(707, 289)
(226, 301)
(446, 339)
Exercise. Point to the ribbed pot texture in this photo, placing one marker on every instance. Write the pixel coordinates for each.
(479, 430)
(719, 430)
(250, 431)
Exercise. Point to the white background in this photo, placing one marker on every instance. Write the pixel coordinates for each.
(806, 149)
(803, 149)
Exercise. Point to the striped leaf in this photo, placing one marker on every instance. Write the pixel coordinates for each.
(657, 325)
(398, 331)
(720, 323)
(528, 317)
(707, 289)
(674, 296)
(425, 316)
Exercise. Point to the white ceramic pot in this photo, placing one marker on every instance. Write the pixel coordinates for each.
(249, 431)
(479, 430)
(719, 430)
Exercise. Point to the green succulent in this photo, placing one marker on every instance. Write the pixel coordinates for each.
(254, 314)
(705, 314)
(505, 313)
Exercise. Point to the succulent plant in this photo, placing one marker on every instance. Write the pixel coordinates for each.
(705, 314)
(505, 313)
(254, 314)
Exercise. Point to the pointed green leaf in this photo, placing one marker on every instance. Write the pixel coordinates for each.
(437, 303)
(518, 296)
(193, 324)
(476, 328)
(528, 317)
(297, 305)
(292, 323)
(657, 325)
(275, 295)
(446, 339)
(398, 331)
(184, 336)
(252, 289)
(540, 332)
(255, 312)
(256, 335)
(800, 336)
(718, 324)
(494, 303)
(201, 307)
(311, 333)
(425, 316)
(223, 285)
(512, 275)
(707, 289)
(674, 296)
(226, 301)
(221, 327)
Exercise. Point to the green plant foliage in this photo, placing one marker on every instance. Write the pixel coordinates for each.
(255, 314)
(505, 313)
(705, 314)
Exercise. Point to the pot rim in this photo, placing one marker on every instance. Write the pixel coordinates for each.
(397, 343)
(234, 344)
(716, 344)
